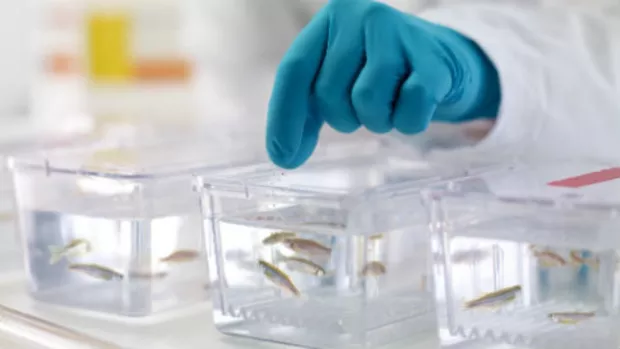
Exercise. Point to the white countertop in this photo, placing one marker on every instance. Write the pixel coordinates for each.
(192, 329)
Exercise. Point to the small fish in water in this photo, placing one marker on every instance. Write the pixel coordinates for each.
(307, 247)
(145, 275)
(495, 299)
(571, 318)
(97, 271)
(278, 277)
(279, 237)
(549, 259)
(181, 256)
(375, 237)
(75, 248)
(374, 269)
(576, 258)
(469, 256)
(304, 266)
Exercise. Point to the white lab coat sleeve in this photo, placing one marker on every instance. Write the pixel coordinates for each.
(559, 70)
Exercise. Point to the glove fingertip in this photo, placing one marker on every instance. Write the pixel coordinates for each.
(279, 154)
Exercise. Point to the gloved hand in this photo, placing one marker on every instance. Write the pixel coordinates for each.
(360, 62)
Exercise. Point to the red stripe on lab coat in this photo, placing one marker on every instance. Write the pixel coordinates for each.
(588, 179)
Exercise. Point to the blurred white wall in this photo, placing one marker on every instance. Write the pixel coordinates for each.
(237, 43)
(16, 25)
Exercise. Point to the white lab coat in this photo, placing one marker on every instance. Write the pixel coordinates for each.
(559, 66)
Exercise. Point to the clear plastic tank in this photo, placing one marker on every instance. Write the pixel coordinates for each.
(528, 256)
(117, 230)
(332, 255)
(20, 138)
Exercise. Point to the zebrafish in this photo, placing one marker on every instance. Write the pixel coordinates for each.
(278, 277)
(375, 237)
(307, 247)
(576, 258)
(304, 266)
(147, 275)
(549, 259)
(97, 271)
(75, 248)
(278, 237)
(495, 299)
(374, 269)
(181, 256)
(571, 318)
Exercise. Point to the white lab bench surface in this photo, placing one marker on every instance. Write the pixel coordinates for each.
(188, 329)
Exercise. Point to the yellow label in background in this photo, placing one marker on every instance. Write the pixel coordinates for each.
(109, 47)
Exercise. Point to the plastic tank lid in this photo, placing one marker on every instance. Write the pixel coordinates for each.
(139, 158)
(340, 170)
(563, 183)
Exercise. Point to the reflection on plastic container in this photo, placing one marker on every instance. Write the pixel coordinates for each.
(34, 330)
(331, 255)
(10, 253)
(116, 230)
(542, 245)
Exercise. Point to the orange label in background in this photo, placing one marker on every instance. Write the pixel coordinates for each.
(62, 64)
(588, 178)
(177, 70)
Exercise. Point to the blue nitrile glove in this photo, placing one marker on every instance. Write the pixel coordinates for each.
(360, 62)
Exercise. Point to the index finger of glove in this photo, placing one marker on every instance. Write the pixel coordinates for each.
(289, 107)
